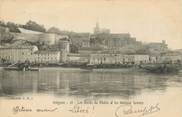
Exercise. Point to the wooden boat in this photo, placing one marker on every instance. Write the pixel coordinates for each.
(107, 66)
(18, 69)
(33, 69)
(161, 67)
(11, 68)
(25, 66)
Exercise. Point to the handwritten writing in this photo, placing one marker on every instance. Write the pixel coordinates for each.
(18, 109)
(47, 110)
(126, 110)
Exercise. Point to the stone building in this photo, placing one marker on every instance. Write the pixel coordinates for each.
(172, 56)
(16, 54)
(117, 59)
(141, 58)
(46, 57)
(64, 45)
(80, 39)
(157, 47)
(77, 58)
(89, 50)
(85, 43)
(120, 40)
(104, 38)
(34, 36)
(30, 53)
(113, 40)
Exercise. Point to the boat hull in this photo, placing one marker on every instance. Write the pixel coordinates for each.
(161, 68)
(17, 69)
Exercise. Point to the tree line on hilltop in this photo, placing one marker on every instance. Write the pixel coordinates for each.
(7, 37)
(30, 25)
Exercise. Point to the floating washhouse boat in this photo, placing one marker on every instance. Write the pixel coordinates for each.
(161, 67)
(18, 69)
(21, 67)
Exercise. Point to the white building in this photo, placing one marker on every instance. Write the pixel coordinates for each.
(16, 54)
(77, 58)
(173, 57)
(46, 57)
(64, 45)
(141, 58)
(30, 53)
(117, 59)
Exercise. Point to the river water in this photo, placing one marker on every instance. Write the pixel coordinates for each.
(81, 83)
(58, 83)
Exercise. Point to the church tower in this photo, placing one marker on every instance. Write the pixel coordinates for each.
(97, 28)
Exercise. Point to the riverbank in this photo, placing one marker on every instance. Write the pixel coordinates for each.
(129, 69)
(60, 68)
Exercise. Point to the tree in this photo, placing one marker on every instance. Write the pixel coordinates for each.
(2, 24)
(54, 30)
(13, 27)
(31, 25)
(6, 37)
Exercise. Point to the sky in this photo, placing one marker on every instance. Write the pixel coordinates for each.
(147, 20)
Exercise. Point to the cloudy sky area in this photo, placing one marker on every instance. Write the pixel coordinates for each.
(147, 20)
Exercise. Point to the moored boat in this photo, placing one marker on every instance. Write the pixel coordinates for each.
(108, 66)
(21, 67)
(161, 67)
(18, 69)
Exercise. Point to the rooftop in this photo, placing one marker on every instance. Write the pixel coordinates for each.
(47, 52)
(22, 30)
(17, 47)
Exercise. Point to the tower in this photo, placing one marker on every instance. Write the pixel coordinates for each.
(97, 28)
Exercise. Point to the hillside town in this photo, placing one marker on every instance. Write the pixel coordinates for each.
(64, 47)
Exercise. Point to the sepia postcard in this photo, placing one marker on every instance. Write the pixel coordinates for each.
(91, 58)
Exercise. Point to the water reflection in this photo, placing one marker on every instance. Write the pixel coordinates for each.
(84, 83)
